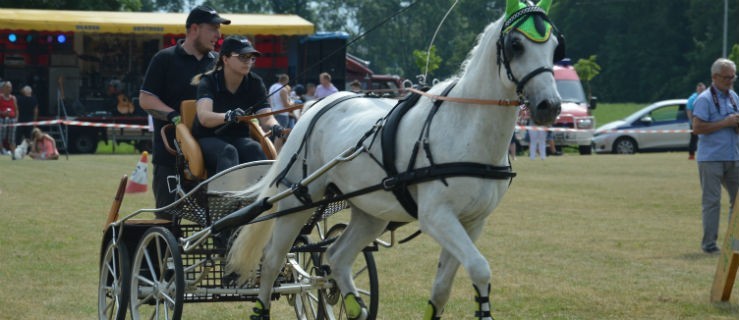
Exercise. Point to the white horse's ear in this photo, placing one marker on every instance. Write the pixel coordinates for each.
(545, 4)
(511, 6)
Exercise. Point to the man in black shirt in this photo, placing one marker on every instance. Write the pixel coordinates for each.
(27, 112)
(167, 84)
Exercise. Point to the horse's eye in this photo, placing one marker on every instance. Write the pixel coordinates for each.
(513, 47)
(517, 46)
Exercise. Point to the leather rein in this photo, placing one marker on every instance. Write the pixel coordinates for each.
(435, 97)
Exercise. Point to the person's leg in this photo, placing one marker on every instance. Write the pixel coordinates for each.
(3, 129)
(710, 177)
(533, 140)
(249, 150)
(692, 146)
(162, 196)
(11, 135)
(218, 154)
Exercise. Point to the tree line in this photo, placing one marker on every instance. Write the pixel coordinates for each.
(647, 50)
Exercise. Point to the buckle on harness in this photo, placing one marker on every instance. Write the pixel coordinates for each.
(389, 183)
(301, 192)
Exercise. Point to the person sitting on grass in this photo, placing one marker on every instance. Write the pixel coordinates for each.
(43, 146)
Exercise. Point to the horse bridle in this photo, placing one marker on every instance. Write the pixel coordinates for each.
(518, 18)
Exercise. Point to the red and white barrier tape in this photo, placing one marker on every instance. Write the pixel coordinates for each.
(558, 129)
(79, 123)
(139, 126)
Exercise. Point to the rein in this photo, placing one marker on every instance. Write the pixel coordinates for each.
(504, 103)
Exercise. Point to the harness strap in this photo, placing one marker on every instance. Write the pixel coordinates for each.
(444, 170)
(304, 144)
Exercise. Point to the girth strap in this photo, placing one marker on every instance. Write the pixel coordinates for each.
(446, 170)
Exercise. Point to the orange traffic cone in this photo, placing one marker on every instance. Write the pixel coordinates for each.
(138, 181)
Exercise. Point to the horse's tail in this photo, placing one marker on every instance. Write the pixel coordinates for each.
(246, 251)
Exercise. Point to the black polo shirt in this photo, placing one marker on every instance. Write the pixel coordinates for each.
(251, 96)
(168, 78)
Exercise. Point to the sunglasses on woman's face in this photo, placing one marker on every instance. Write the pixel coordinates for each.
(245, 57)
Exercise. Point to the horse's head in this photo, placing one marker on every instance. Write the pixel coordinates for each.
(527, 47)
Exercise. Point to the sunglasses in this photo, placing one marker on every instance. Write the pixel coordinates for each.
(727, 78)
(245, 58)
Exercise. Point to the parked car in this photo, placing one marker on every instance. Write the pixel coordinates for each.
(662, 126)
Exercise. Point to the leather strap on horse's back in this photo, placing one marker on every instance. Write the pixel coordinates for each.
(389, 133)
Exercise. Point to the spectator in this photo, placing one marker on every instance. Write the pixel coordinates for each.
(167, 83)
(689, 111)
(221, 92)
(355, 87)
(537, 143)
(27, 112)
(716, 121)
(310, 92)
(279, 99)
(43, 146)
(8, 117)
(326, 88)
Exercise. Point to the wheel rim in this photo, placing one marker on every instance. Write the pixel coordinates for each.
(625, 146)
(157, 279)
(364, 274)
(113, 285)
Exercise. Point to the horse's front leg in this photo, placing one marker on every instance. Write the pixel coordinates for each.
(445, 273)
(457, 243)
(285, 232)
(362, 230)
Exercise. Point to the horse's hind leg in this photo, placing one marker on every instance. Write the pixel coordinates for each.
(454, 238)
(362, 230)
(284, 233)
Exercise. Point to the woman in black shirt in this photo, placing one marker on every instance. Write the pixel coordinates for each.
(226, 92)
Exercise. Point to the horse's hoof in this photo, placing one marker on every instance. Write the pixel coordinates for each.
(355, 308)
(430, 313)
(260, 312)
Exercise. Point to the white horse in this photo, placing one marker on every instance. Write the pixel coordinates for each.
(452, 211)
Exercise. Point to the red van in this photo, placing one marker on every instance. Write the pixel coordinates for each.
(576, 111)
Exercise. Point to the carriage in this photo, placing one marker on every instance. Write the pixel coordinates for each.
(392, 162)
(150, 267)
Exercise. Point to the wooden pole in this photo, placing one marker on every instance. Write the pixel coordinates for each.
(728, 262)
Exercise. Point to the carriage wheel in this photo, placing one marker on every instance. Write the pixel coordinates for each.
(157, 279)
(365, 279)
(306, 303)
(114, 280)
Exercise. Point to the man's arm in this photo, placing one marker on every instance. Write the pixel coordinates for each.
(703, 127)
(154, 106)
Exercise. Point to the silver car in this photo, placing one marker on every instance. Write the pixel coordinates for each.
(662, 126)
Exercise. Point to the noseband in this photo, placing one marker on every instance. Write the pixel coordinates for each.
(509, 25)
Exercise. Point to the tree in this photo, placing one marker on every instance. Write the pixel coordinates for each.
(427, 57)
(734, 54)
(101, 5)
(587, 69)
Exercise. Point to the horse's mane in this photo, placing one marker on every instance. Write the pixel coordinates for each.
(482, 41)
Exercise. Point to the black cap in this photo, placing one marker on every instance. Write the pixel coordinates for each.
(239, 45)
(205, 14)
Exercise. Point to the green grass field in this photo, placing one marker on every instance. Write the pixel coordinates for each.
(576, 237)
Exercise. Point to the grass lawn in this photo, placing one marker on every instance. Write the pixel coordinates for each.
(576, 237)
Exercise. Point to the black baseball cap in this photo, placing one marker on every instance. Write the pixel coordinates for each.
(205, 14)
(239, 45)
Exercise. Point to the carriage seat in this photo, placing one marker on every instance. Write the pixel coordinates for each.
(190, 148)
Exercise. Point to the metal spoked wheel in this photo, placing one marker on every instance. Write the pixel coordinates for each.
(306, 303)
(157, 279)
(114, 280)
(364, 273)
